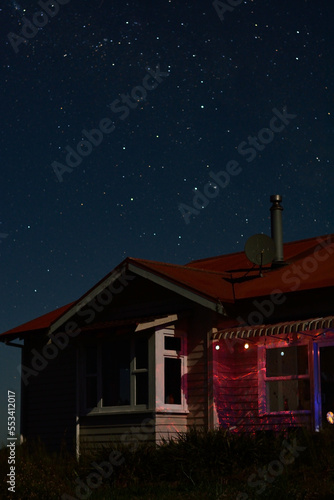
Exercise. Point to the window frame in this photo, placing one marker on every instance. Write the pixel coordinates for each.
(155, 370)
(132, 407)
(263, 403)
(160, 355)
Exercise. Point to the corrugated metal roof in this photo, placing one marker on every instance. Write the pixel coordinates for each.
(210, 284)
(234, 261)
(228, 278)
(301, 326)
(225, 279)
(40, 323)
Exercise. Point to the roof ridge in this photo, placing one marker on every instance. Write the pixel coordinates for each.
(207, 259)
(186, 267)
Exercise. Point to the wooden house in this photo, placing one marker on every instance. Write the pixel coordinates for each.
(154, 349)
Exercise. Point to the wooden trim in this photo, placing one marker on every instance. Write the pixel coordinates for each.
(263, 379)
(213, 421)
(158, 322)
(303, 327)
(193, 296)
(160, 355)
(86, 299)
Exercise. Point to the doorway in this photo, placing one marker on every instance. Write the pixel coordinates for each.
(326, 382)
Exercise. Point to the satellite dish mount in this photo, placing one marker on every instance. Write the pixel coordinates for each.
(260, 249)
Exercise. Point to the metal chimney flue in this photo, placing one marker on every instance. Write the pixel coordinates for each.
(277, 229)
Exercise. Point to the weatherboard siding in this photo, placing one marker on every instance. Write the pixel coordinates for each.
(236, 392)
(197, 376)
(98, 431)
(169, 426)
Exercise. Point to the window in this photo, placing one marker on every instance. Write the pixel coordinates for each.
(171, 371)
(285, 381)
(116, 373)
(135, 372)
(116, 366)
(140, 371)
(91, 376)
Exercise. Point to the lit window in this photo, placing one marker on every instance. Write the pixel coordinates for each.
(285, 379)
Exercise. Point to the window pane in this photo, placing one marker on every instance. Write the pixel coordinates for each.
(116, 373)
(288, 395)
(172, 381)
(172, 343)
(91, 376)
(91, 359)
(141, 353)
(142, 388)
(91, 392)
(286, 361)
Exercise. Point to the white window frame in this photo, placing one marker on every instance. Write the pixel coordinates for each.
(263, 379)
(160, 355)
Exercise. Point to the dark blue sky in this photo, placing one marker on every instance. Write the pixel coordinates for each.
(225, 78)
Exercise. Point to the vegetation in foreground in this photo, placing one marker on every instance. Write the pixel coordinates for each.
(214, 465)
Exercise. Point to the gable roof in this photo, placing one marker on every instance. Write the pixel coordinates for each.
(41, 323)
(214, 281)
(206, 283)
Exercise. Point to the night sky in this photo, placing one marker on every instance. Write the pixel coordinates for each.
(247, 89)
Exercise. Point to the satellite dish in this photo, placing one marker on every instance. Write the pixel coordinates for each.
(260, 249)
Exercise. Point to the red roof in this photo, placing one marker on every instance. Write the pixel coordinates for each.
(292, 250)
(207, 283)
(309, 265)
(40, 323)
(228, 278)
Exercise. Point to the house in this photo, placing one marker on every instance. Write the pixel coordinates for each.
(154, 349)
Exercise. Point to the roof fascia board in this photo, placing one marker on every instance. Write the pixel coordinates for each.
(194, 297)
(87, 298)
(13, 344)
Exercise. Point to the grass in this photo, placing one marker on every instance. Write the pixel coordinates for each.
(198, 465)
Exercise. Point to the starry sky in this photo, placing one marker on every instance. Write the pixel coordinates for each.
(184, 92)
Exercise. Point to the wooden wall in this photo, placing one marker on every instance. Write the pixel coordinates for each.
(98, 431)
(197, 378)
(169, 425)
(236, 391)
